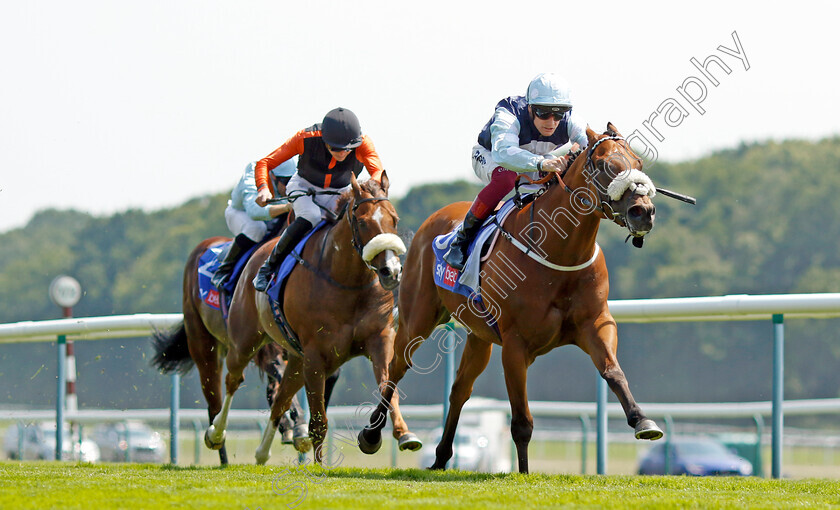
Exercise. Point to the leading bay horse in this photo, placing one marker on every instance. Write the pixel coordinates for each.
(202, 340)
(544, 285)
(338, 300)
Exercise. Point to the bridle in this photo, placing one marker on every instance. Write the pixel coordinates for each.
(353, 221)
(605, 201)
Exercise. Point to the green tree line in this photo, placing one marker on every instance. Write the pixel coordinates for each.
(765, 223)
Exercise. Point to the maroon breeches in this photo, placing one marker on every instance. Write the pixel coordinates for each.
(501, 183)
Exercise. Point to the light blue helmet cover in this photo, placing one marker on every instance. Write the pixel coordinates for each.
(549, 89)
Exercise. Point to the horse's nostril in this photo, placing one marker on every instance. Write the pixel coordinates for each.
(636, 211)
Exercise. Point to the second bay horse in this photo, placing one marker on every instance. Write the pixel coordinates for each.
(544, 285)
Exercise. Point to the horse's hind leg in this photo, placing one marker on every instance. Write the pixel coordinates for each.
(236, 361)
(601, 344)
(473, 362)
(291, 383)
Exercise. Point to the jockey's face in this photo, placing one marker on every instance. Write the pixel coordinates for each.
(546, 127)
(339, 154)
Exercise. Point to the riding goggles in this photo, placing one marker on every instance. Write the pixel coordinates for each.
(546, 112)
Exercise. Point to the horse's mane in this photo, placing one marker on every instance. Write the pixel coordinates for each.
(369, 185)
(574, 154)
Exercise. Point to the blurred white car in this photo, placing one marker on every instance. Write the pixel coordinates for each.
(38, 443)
(131, 441)
(473, 451)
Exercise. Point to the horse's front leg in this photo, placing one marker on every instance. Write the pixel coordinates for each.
(290, 384)
(381, 351)
(601, 343)
(315, 378)
(515, 361)
(370, 438)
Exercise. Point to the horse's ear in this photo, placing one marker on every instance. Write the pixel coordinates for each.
(591, 135)
(384, 183)
(353, 182)
(612, 130)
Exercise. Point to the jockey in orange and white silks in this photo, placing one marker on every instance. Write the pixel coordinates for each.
(519, 138)
(328, 153)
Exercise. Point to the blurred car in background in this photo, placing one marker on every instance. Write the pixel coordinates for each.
(128, 441)
(694, 456)
(474, 451)
(38, 443)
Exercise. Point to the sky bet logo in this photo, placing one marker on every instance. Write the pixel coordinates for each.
(212, 298)
(447, 274)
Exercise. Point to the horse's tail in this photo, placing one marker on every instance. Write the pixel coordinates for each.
(265, 358)
(171, 351)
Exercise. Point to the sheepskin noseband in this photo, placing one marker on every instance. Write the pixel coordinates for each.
(636, 180)
(381, 243)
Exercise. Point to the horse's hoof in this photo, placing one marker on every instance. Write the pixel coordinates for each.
(287, 437)
(647, 429)
(262, 459)
(210, 442)
(368, 447)
(436, 466)
(409, 441)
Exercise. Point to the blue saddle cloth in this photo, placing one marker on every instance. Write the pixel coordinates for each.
(208, 264)
(275, 288)
(465, 282)
(278, 283)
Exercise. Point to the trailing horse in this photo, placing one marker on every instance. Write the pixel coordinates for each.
(543, 285)
(338, 302)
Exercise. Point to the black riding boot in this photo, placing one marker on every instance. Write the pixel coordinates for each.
(290, 237)
(240, 245)
(457, 254)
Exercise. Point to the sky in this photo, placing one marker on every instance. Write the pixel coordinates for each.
(108, 106)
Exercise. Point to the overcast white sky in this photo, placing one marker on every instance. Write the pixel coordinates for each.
(110, 105)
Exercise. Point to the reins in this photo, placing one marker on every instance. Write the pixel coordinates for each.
(546, 182)
(354, 232)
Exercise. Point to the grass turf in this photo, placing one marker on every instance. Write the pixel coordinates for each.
(42, 485)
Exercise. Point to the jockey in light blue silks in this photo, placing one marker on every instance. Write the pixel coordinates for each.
(249, 222)
(519, 138)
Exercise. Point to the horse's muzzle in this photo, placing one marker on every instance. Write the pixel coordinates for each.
(390, 274)
(640, 218)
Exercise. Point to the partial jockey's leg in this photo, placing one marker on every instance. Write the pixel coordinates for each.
(501, 183)
(290, 237)
(473, 362)
(241, 244)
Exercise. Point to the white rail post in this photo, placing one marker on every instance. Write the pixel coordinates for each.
(778, 391)
(601, 419)
(174, 399)
(60, 396)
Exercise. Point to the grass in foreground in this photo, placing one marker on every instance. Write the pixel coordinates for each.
(41, 485)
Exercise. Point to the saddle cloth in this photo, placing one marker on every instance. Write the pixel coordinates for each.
(208, 264)
(466, 282)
